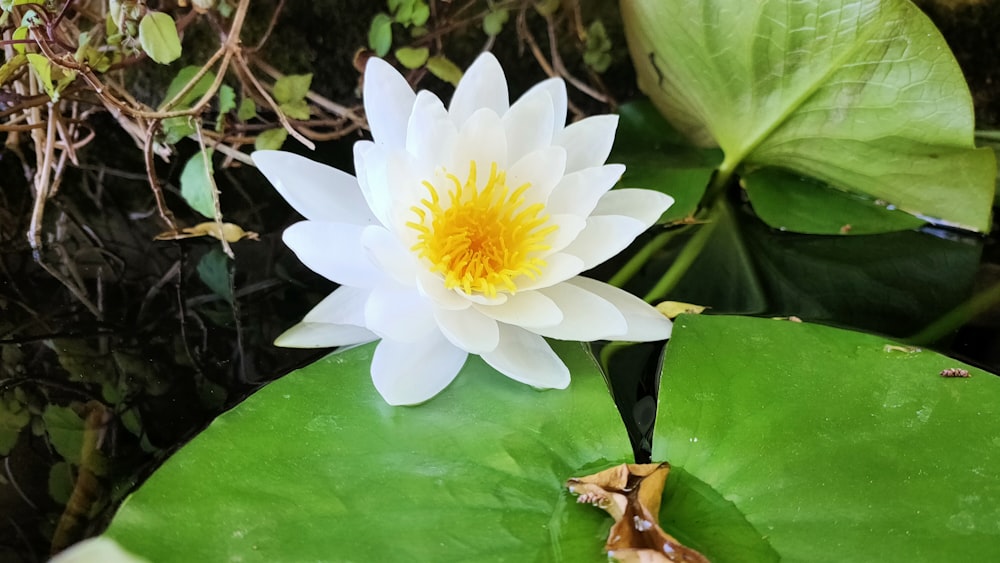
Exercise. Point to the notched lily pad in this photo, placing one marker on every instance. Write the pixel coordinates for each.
(631, 494)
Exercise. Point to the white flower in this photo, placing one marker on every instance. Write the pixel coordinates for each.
(465, 232)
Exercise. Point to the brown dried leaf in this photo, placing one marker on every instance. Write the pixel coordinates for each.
(631, 494)
(224, 231)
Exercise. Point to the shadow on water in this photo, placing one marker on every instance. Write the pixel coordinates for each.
(115, 349)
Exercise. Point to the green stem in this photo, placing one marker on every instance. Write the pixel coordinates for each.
(635, 263)
(687, 257)
(988, 135)
(954, 319)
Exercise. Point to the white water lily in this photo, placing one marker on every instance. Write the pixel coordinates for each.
(465, 232)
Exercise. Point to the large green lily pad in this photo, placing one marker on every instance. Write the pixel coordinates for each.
(831, 446)
(316, 467)
(862, 95)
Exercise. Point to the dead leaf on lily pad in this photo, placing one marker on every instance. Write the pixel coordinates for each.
(674, 308)
(222, 231)
(631, 494)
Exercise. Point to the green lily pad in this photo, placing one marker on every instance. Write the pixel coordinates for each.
(832, 447)
(316, 466)
(862, 95)
(790, 202)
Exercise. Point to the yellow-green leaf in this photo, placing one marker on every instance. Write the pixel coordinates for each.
(158, 37)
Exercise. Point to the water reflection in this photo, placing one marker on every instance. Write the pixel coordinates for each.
(116, 348)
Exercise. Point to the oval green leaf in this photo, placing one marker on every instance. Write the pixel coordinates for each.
(158, 37)
(862, 95)
(832, 445)
(316, 466)
(197, 187)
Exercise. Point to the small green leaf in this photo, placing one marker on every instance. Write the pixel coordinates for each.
(53, 79)
(598, 53)
(6, 5)
(272, 139)
(65, 431)
(213, 270)
(442, 67)
(197, 187)
(493, 22)
(380, 34)
(296, 109)
(411, 57)
(177, 128)
(547, 7)
(20, 34)
(181, 80)
(227, 99)
(292, 88)
(12, 66)
(247, 110)
(421, 13)
(158, 37)
(61, 482)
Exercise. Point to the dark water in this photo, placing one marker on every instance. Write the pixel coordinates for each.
(117, 348)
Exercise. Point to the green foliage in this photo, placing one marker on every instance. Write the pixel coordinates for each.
(213, 270)
(409, 12)
(656, 157)
(795, 430)
(443, 68)
(411, 57)
(475, 475)
(158, 37)
(54, 79)
(494, 21)
(380, 34)
(863, 96)
(197, 186)
(598, 53)
(247, 109)
(272, 139)
(290, 93)
(832, 445)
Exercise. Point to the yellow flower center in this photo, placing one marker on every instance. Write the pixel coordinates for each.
(481, 239)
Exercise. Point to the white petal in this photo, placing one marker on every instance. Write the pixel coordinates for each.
(323, 335)
(371, 164)
(388, 103)
(645, 205)
(579, 192)
(645, 323)
(481, 140)
(407, 373)
(559, 267)
(556, 89)
(346, 305)
(542, 169)
(398, 313)
(317, 191)
(526, 357)
(604, 236)
(588, 141)
(586, 316)
(570, 227)
(431, 133)
(483, 86)
(431, 286)
(468, 329)
(530, 124)
(334, 251)
(525, 308)
(389, 255)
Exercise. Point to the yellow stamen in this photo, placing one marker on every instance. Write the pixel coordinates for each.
(481, 240)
